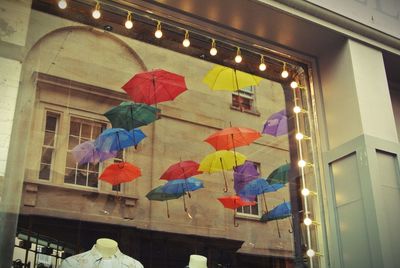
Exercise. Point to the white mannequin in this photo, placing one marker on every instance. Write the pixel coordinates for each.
(106, 247)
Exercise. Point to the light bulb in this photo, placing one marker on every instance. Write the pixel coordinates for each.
(128, 22)
(158, 33)
(213, 50)
(299, 136)
(186, 41)
(284, 73)
(307, 221)
(238, 58)
(293, 84)
(302, 163)
(296, 109)
(262, 65)
(305, 192)
(96, 12)
(62, 4)
(310, 253)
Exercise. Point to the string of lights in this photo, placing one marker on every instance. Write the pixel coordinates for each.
(129, 23)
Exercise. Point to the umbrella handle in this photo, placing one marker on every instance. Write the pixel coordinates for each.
(291, 227)
(223, 173)
(235, 224)
(277, 225)
(185, 208)
(167, 208)
(265, 202)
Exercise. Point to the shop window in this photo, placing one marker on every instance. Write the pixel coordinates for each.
(244, 99)
(49, 145)
(81, 130)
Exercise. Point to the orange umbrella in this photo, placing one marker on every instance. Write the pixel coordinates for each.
(120, 172)
(234, 202)
(232, 137)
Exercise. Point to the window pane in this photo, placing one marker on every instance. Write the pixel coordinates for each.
(44, 173)
(73, 141)
(116, 187)
(82, 140)
(246, 209)
(81, 177)
(93, 179)
(96, 131)
(69, 176)
(94, 167)
(71, 163)
(47, 154)
(49, 138)
(51, 122)
(74, 128)
(254, 210)
(86, 131)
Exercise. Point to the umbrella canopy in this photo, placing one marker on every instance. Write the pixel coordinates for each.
(120, 172)
(86, 152)
(279, 175)
(181, 170)
(221, 160)
(258, 186)
(158, 194)
(234, 202)
(232, 137)
(129, 115)
(155, 86)
(182, 186)
(244, 174)
(281, 211)
(116, 139)
(225, 78)
(276, 124)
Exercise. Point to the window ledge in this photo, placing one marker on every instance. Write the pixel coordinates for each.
(78, 188)
(256, 113)
(248, 217)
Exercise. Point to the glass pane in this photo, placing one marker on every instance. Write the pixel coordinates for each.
(49, 138)
(51, 123)
(116, 187)
(44, 173)
(47, 154)
(96, 131)
(246, 209)
(93, 179)
(72, 142)
(82, 140)
(75, 128)
(71, 163)
(86, 131)
(69, 176)
(254, 210)
(94, 167)
(81, 177)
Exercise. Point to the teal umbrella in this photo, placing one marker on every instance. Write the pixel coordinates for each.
(130, 115)
(158, 194)
(279, 175)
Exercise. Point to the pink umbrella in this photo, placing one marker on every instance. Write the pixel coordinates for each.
(86, 152)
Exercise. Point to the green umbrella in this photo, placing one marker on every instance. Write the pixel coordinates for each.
(279, 175)
(130, 115)
(157, 194)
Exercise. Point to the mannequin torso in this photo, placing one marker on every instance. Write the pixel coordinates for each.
(106, 247)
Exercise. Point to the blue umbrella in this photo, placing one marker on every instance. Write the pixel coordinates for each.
(281, 211)
(182, 186)
(116, 139)
(259, 186)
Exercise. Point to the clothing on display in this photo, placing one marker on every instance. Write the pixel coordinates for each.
(197, 261)
(98, 257)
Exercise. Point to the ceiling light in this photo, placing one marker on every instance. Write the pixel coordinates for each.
(284, 73)
(158, 33)
(186, 41)
(262, 65)
(62, 4)
(96, 12)
(128, 22)
(238, 58)
(294, 84)
(213, 50)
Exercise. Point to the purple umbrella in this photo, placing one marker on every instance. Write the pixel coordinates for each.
(86, 152)
(276, 124)
(244, 174)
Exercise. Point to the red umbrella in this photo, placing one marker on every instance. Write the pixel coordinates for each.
(155, 86)
(232, 137)
(120, 172)
(234, 202)
(181, 170)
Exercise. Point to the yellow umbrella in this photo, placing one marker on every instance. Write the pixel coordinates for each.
(225, 78)
(220, 161)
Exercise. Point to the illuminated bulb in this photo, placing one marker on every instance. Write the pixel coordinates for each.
(299, 136)
(296, 109)
(62, 4)
(128, 22)
(302, 163)
(262, 65)
(284, 73)
(238, 58)
(158, 33)
(213, 50)
(96, 12)
(293, 84)
(186, 41)
(307, 221)
(305, 192)
(310, 253)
